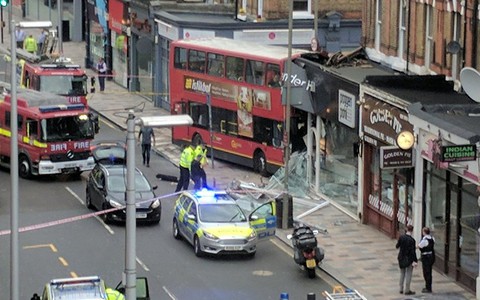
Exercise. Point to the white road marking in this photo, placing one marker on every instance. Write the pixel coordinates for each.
(144, 266)
(108, 228)
(169, 293)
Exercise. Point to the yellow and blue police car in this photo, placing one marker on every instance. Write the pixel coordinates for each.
(214, 223)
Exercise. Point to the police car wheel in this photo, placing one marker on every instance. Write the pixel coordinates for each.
(197, 247)
(176, 233)
(105, 217)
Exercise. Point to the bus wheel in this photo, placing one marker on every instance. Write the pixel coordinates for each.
(24, 167)
(260, 163)
(197, 140)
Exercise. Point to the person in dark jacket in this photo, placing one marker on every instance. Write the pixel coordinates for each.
(426, 247)
(407, 259)
(196, 172)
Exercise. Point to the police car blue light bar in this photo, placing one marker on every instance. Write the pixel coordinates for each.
(52, 108)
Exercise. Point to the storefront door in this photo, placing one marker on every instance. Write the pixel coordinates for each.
(388, 195)
(451, 211)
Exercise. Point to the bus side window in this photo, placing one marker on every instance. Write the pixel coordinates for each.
(215, 65)
(277, 134)
(235, 68)
(199, 114)
(196, 61)
(273, 76)
(255, 72)
(180, 59)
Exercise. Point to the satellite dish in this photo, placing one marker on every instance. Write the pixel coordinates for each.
(453, 47)
(470, 79)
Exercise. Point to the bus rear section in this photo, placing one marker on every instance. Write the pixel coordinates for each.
(232, 91)
(54, 136)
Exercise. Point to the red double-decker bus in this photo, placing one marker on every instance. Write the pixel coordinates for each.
(241, 82)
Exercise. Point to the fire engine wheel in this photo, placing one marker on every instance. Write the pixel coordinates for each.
(260, 163)
(24, 167)
(197, 140)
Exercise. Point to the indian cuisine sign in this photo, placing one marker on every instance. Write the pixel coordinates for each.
(458, 153)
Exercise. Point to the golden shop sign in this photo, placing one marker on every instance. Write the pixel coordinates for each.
(392, 157)
(458, 153)
(382, 121)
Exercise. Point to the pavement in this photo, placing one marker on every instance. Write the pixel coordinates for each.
(359, 256)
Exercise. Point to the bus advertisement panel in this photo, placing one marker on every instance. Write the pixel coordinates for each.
(238, 84)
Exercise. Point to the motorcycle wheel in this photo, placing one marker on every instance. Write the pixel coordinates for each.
(311, 273)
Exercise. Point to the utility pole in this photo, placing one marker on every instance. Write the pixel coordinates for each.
(14, 278)
(130, 232)
(285, 198)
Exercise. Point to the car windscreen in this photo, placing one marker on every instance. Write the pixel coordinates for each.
(221, 213)
(117, 183)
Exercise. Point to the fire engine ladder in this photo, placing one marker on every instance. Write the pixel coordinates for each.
(340, 293)
(50, 44)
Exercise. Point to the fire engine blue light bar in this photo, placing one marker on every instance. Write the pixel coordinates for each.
(52, 108)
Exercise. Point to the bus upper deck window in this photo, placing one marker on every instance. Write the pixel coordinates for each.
(180, 60)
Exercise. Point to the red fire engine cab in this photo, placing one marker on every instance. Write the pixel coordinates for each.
(51, 73)
(54, 135)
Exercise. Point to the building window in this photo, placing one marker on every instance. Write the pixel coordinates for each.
(378, 24)
(302, 9)
(402, 28)
(429, 34)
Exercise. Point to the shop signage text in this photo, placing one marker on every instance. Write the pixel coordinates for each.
(458, 153)
(393, 157)
(383, 121)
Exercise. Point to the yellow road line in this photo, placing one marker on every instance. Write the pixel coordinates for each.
(73, 275)
(63, 261)
(51, 246)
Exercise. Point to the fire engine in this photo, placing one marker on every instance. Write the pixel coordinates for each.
(54, 135)
(49, 72)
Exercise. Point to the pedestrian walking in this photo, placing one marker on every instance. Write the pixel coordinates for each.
(426, 246)
(185, 163)
(102, 72)
(20, 36)
(30, 44)
(145, 137)
(407, 260)
(196, 172)
(202, 151)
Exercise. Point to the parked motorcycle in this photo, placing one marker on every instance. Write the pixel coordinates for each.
(306, 250)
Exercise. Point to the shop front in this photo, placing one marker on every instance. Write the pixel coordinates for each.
(98, 37)
(119, 22)
(449, 184)
(142, 47)
(387, 165)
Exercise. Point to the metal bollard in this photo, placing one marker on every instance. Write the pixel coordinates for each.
(92, 83)
(284, 296)
(311, 296)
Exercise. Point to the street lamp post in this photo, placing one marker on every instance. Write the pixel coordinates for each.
(130, 232)
(14, 278)
(285, 197)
